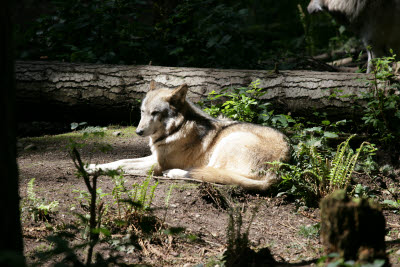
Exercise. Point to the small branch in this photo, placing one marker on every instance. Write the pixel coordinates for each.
(184, 179)
(162, 178)
(393, 225)
(76, 157)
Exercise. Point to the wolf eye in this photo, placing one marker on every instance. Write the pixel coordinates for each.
(154, 113)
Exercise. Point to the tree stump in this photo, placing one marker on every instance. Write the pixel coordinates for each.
(355, 229)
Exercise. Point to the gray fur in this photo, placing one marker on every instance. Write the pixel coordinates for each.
(187, 143)
(377, 22)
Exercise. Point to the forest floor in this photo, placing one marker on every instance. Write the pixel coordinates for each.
(283, 226)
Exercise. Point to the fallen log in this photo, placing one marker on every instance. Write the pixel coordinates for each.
(78, 92)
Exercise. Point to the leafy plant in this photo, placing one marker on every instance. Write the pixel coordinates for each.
(85, 201)
(238, 244)
(362, 191)
(38, 207)
(96, 209)
(240, 103)
(134, 202)
(382, 114)
(392, 203)
(244, 104)
(315, 175)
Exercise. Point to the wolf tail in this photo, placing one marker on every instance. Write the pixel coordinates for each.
(221, 176)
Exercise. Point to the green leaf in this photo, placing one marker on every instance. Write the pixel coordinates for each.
(313, 129)
(330, 135)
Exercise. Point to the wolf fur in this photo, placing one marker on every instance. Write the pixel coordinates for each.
(187, 143)
(377, 22)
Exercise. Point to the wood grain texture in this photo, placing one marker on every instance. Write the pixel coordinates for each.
(112, 88)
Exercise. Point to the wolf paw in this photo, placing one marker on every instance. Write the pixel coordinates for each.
(175, 173)
(91, 168)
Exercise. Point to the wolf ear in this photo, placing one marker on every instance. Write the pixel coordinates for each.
(152, 85)
(178, 95)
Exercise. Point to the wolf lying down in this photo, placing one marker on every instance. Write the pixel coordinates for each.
(187, 143)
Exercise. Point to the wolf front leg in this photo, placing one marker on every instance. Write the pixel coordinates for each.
(138, 166)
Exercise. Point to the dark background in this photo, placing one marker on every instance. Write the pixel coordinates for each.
(245, 34)
(250, 34)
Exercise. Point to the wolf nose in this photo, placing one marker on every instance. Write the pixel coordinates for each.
(139, 132)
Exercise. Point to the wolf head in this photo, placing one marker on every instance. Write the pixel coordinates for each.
(161, 111)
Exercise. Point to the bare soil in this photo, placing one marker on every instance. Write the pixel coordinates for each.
(197, 208)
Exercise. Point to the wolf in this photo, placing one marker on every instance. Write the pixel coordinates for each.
(377, 22)
(187, 143)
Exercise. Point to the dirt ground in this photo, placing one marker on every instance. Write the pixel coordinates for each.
(276, 225)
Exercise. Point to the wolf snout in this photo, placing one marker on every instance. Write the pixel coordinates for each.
(139, 132)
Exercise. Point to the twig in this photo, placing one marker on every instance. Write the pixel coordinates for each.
(213, 243)
(288, 226)
(305, 214)
(163, 178)
(393, 225)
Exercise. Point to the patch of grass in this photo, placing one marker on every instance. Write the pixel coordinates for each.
(83, 136)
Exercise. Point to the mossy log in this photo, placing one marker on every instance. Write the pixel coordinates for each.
(355, 229)
(73, 91)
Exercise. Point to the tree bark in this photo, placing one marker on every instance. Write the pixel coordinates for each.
(353, 229)
(11, 246)
(110, 91)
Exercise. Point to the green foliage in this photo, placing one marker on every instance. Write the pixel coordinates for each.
(240, 104)
(392, 203)
(85, 202)
(93, 131)
(382, 114)
(96, 209)
(99, 219)
(362, 191)
(310, 46)
(244, 104)
(135, 202)
(238, 243)
(111, 29)
(315, 175)
(309, 231)
(39, 208)
(202, 33)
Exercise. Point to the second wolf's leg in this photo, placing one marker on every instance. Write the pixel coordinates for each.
(138, 166)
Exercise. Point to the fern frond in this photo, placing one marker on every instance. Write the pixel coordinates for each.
(339, 163)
